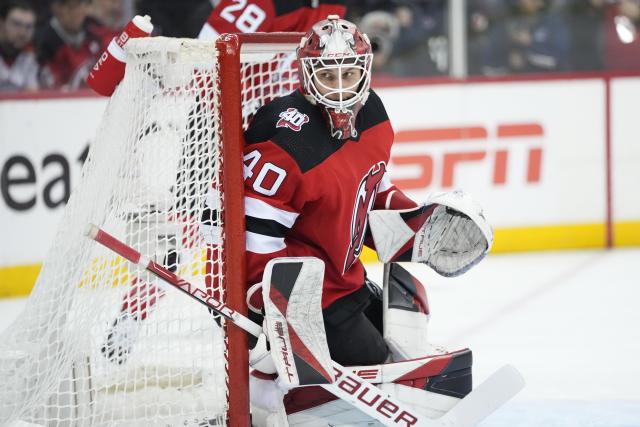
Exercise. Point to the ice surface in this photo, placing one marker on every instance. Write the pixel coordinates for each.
(569, 321)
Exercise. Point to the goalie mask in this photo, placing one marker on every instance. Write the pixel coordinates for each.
(335, 68)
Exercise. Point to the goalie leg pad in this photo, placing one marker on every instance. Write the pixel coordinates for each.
(267, 408)
(260, 356)
(292, 294)
(406, 315)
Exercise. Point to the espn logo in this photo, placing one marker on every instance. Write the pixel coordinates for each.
(465, 146)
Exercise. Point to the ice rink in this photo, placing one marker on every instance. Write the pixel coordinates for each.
(569, 321)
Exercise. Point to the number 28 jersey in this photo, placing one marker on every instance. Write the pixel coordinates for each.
(250, 16)
(308, 194)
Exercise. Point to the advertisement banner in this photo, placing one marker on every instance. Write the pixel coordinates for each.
(625, 158)
(522, 149)
(534, 154)
(44, 145)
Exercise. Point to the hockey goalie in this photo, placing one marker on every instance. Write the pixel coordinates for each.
(317, 185)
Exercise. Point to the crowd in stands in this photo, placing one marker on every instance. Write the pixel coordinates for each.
(52, 44)
(504, 37)
(530, 36)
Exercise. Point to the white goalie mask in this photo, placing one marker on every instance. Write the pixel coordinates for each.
(335, 67)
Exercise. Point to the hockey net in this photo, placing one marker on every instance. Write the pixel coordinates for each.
(103, 343)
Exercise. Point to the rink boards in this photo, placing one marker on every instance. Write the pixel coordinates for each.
(553, 161)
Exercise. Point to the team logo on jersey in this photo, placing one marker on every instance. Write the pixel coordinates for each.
(365, 198)
(292, 119)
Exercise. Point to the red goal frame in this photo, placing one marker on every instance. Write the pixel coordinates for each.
(229, 47)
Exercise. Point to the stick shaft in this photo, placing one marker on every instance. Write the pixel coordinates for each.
(348, 386)
(135, 257)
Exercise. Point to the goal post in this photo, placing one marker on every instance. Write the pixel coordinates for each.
(231, 48)
(231, 115)
(101, 343)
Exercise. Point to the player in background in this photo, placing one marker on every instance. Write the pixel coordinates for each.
(18, 65)
(242, 16)
(70, 44)
(250, 16)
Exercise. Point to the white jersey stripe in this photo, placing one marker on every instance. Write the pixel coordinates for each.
(259, 209)
(261, 244)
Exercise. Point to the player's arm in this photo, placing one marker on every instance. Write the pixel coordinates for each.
(391, 197)
(236, 16)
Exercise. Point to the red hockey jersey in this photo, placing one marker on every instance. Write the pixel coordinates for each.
(250, 16)
(66, 60)
(307, 194)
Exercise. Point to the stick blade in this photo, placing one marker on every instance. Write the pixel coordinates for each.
(494, 392)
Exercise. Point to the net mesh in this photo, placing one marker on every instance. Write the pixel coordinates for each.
(102, 342)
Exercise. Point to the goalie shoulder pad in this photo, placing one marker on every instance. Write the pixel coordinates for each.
(449, 233)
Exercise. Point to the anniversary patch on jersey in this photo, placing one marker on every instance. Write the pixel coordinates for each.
(365, 197)
(292, 119)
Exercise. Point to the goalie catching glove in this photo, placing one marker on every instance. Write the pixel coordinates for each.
(449, 233)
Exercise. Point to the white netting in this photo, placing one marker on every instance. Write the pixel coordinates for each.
(100, 343)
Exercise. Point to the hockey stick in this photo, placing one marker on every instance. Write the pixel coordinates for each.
(361, 394)
(494, 392)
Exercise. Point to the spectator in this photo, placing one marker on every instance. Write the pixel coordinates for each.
(356, 9)
(585, 20)
(482, 17)
(531, 39)
(382, 28)
(408, 38)
(69, 45)
(18, 65)
(182, 18)
(43, 13)
(422, 47)
(109, 13)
